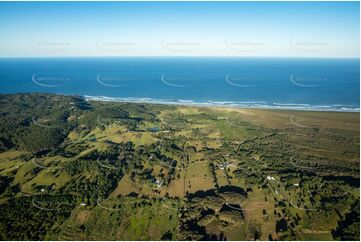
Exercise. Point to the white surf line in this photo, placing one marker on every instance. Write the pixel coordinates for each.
(299, 125)
(106, 166)
(42, 208)
(43, 125)
(44, 167)
(106, 84)
(33, 78)
(299, 84)
(235, 84)
(170, 84)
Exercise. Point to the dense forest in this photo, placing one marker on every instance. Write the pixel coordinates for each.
(72, 169)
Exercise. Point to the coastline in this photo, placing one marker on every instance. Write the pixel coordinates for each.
(229, 104)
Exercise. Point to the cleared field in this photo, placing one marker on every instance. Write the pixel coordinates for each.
(131, 171)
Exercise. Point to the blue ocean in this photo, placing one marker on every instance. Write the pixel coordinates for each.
(279, 83)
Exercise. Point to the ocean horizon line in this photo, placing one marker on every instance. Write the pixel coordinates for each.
(183, 57)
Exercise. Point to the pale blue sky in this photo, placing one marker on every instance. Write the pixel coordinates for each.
(279, 29)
